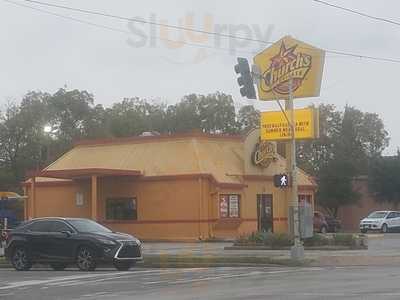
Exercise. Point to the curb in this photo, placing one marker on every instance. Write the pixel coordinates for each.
(174, 261)
(313, 248)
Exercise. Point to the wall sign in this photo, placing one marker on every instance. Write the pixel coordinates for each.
(223, 206)
(79, 199)
(234, 206)
(264, 153)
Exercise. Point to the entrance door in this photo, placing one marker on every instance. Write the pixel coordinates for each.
(265, 212)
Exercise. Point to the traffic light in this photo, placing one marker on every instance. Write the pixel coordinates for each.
(281, 180)
(245, 79)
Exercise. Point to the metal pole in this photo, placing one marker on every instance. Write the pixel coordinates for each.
(297, 251)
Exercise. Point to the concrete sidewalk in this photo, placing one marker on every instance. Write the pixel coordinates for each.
(382, 250)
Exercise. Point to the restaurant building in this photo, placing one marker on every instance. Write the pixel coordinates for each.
(173, 187)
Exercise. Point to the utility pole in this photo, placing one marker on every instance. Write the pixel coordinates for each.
(297, 250)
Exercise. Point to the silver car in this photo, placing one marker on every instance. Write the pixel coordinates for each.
(383, 221)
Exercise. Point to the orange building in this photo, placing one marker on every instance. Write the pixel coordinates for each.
(175, 187)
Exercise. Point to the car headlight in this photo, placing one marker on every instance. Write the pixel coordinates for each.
(107, 242)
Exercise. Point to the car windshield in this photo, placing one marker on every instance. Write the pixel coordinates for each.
(377, 215)
(88, 226)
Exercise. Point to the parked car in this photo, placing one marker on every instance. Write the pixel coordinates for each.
(64, 241)
(383, 221)
(334, 225)
(320, 224)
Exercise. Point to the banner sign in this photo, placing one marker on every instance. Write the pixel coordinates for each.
(275, 127)
(289, 59)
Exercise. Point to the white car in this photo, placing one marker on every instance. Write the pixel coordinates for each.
(383, 221)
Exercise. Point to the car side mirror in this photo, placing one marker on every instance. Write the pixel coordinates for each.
(66, 232)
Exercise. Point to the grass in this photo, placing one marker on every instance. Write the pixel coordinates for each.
(184, 260)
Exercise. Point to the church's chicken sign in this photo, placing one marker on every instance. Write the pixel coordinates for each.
(289, 59)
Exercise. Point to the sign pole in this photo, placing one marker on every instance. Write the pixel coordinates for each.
(297, 251)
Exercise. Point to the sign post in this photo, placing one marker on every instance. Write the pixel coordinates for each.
(289, 69)
(297, 250)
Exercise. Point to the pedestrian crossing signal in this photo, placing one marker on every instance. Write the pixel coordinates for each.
(281, 180)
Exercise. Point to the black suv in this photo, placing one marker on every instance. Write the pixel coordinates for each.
(64, 241)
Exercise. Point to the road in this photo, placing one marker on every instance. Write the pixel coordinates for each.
(205, 283)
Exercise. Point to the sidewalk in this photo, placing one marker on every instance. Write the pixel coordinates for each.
(382, 250)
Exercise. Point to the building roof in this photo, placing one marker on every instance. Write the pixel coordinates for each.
(218, 156)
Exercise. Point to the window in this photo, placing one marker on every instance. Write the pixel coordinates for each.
(121, 209)
(88, 226)
(229, 206)
(58, 226)
(304, 198)
(40, 226)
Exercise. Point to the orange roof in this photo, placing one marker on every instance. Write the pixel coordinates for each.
(221, 157)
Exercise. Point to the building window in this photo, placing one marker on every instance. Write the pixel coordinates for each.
(121, 209)
(305, 198)
(229, 206)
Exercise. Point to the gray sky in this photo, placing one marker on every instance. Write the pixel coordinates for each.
(44, 52)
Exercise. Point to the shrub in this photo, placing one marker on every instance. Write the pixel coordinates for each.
(277, 240)
(253, 238)
(343, 239)
(273, 240)
(317, 240)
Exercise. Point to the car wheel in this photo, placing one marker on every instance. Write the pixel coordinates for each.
(85, 259)
(323, 229)
(58, 266)
(20, 259)
(123, 265)
(384, 228)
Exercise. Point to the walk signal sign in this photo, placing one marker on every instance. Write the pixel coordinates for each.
(281, 180)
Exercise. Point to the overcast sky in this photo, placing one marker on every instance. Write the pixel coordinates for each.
(43, 52)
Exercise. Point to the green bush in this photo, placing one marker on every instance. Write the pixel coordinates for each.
(317, 240)
(277, 240)
(273, 240)
(283, 240)
(343, 239)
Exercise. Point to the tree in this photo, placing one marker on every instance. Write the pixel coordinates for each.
(384, 178)
(335, 186)
(69, 112)
(21, 137)
(212, 113)
(347, 143)
(248, 118)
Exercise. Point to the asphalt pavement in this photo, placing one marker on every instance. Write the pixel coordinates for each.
(205, 283)
(379, 279)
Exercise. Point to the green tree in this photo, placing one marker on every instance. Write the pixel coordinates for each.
(384, 178)
(21, 137)
(248, 118)
(347, 142)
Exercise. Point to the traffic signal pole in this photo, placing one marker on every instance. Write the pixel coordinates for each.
(297, 250)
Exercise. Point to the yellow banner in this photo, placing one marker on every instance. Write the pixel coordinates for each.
(289, 59)
(274, 125)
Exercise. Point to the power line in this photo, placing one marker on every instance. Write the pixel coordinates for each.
(118, 29)
(353, 11)
(91, 12)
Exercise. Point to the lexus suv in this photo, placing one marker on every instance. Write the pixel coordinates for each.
(65, 241)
